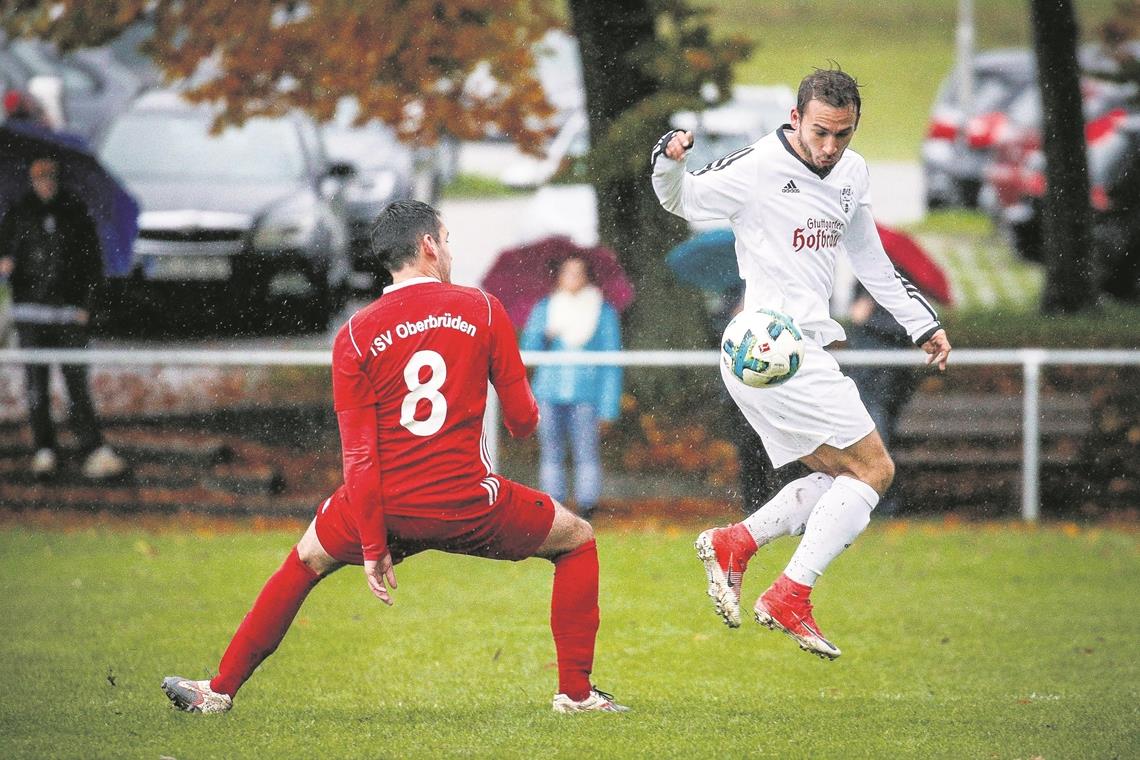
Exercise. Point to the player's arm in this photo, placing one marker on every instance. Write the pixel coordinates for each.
(355, 404)
(716, 191)
(508, 375)
(362, 479)
(893, 291)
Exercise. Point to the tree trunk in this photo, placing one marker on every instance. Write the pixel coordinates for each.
(664, 315)
(1070, 284)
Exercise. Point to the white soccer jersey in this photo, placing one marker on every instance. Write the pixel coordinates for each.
(791, 221)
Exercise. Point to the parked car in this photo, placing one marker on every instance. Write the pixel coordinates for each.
(957, 143)
(249, 220)
(1014, 180)
(80, 92)
(384, 172)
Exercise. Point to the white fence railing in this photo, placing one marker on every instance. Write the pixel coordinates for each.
(1031, 360)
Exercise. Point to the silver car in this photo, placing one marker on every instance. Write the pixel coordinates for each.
(248, 221)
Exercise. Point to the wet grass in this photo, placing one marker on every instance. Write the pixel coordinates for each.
(961, 640)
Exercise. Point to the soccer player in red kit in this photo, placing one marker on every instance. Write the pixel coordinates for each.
(410, 374)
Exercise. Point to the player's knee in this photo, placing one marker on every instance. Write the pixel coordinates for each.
(314, 556)
(566, 534)
(889, 473)
(581, 533)
(883, 474)
(312, 560)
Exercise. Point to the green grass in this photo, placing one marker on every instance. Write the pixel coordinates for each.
(993, 641)
(899, 51)
(477, 186)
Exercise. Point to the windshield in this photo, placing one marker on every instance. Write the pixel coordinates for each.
(179, 146)
(370, 147)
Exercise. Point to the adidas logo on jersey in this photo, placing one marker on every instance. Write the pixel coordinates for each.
(790, 187)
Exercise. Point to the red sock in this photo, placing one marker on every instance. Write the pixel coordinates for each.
(574, 618)
(263, 628)
(742, 541)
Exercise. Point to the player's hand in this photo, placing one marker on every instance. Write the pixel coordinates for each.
(6, 266)
(679, 145)
(379, 572)
(937, 349)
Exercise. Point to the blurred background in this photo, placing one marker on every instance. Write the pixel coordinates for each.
(257, 161)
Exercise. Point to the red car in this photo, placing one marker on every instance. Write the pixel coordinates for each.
(1014, 181)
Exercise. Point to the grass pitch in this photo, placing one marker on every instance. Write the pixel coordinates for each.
(990, 641)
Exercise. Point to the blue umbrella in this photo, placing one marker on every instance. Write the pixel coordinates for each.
(707, 261)
(115, 212)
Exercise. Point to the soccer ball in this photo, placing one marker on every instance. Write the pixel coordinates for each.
(762, 347)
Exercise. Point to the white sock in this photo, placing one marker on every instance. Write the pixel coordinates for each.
(840, 516)
(786, 513)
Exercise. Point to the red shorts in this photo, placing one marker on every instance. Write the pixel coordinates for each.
(513, 529)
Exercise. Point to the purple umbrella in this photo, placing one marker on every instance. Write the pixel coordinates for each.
(521, 276)
(114, 210)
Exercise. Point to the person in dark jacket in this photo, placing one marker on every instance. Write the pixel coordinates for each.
(885, 389)
(51, 255)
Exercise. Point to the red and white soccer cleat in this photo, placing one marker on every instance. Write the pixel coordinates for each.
(195, 696)
(596, 701)
(786, 607)
(725, 553)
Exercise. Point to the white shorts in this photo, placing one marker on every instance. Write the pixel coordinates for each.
(820, 405)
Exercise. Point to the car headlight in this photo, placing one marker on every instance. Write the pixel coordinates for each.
(371, 187)
(288, 225)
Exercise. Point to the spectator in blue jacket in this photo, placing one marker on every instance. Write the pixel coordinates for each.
(575, 401)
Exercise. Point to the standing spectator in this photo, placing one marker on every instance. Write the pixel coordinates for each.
(50, 251)
(574, 401)
(885, 390)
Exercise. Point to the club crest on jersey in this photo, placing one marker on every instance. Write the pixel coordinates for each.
(846, 196)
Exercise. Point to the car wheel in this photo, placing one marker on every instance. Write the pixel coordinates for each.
(968, 191)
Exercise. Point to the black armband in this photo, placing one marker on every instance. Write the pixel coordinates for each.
(928, 334)
(659, 148)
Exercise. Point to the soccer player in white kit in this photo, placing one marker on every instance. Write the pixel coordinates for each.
(797, 199)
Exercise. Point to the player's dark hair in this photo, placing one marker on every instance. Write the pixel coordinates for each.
(397, 232)
(834, 87)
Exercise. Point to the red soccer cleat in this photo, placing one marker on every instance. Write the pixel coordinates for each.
(725, 553)
(786, 607)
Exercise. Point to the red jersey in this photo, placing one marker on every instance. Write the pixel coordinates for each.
(421, 357)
